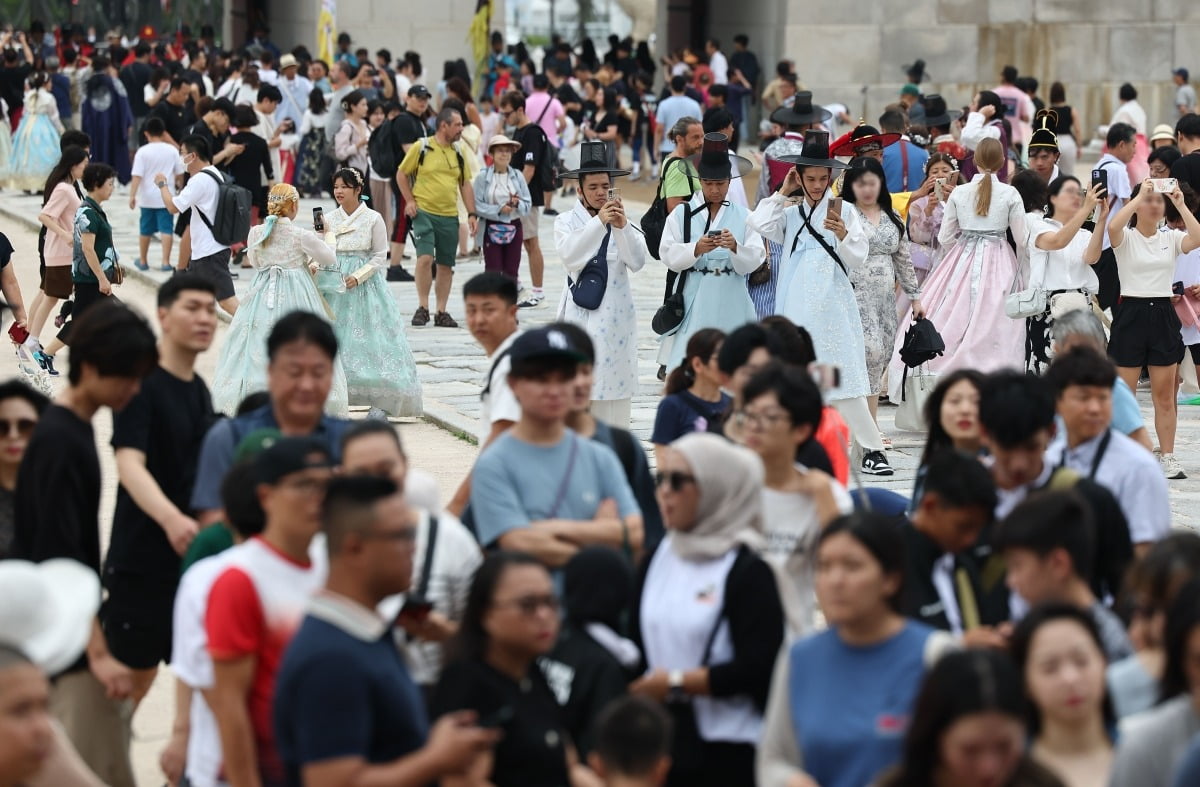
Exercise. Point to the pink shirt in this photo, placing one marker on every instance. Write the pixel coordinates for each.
(536, 106)
(1020, 110)
(61, 206)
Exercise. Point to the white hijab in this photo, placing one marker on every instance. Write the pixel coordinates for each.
(729, 479)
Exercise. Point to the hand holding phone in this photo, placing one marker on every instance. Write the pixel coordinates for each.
(1100, 178)
(835, 205)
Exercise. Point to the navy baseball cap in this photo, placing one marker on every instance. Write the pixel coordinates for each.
(289, 455)
(419, 91)
(544, 343)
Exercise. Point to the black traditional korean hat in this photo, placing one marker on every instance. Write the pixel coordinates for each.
(1043, 137)
(714, 161)
(593, 159)
(936, 113)
(801, 112)
(815, 152)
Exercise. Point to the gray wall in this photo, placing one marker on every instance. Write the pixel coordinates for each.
(1092, 46)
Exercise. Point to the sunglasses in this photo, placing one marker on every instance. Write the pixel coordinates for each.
(530, 605)
(23, 426)
(676, 481)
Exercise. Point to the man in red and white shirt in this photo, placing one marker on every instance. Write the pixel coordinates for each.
(258, 602)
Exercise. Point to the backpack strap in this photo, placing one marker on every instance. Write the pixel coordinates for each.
(220, 182)
(427, 565)
(462, 169)
(487, 386)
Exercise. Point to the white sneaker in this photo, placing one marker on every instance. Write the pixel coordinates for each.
(1171, 468)
(531, 301)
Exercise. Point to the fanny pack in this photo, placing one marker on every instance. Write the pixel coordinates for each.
(501, 232)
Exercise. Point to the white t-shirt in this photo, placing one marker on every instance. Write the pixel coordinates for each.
(456, 556)
(151, 159)
(201, 193)
(499, 403)
(791, 528)
(191, 664)
(1063, 269)
(1147, 265)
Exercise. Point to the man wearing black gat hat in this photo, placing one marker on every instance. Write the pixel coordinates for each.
(706, 240)
(820, 248)
(598, 229)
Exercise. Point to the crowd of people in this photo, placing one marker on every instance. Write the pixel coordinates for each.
(734, 608)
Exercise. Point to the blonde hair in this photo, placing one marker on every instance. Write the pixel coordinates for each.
(280, 199)
(989, 158)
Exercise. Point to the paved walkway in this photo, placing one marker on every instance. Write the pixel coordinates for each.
(450, 363)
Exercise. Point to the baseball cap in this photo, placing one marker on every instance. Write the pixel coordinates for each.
(255, 443)
(544, 343)
(1182, 73)
(419, 91)
(289, 455)
(910, 90)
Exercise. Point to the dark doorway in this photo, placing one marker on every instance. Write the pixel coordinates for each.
(687, 25)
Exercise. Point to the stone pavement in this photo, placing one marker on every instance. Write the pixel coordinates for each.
(451, 364)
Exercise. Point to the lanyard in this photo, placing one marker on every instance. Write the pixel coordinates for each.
(1099, 457)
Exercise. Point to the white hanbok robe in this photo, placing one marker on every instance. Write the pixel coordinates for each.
(613, 327)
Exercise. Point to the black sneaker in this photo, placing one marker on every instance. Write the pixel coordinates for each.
(662, 372)
(549, 212)
(420, 316)
(875, 463)
(397, 273)
(444, 320)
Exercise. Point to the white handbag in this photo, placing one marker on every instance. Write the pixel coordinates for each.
(918, 385)
(1064, 302)
(1029, 302)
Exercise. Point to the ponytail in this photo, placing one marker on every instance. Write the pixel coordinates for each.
(989, 158)
(702, 345)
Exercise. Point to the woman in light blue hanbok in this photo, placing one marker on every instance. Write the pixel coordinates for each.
(35, 145)
(717, 255)
(380, 369)
(282, 254)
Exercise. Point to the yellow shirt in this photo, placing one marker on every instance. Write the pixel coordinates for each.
(436, 186)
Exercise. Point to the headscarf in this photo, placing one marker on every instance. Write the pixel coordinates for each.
(279, 201)
(730, 481)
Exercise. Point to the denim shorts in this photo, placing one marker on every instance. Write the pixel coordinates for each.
(156, 221)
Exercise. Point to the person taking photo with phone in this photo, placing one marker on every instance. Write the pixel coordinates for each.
(707, 242)
(1145, 329)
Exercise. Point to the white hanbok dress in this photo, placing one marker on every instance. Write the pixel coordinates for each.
(813, 291)
(613, 327)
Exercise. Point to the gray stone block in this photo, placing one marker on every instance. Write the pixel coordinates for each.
(948, 51)
(1075, 54)
(909, 13)
(955, 12)
(1141, 53)
(817, 14)
(821, 53)
(1099, 11)
(1175, 11)
(1005, 11)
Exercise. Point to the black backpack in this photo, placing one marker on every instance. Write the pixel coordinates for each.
(546, 176)
(655, 219)
(230, 223)
(385, 150)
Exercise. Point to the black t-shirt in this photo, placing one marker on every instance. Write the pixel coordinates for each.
(408, 128)
(580, 669)
(135, 77)
(532, 752)
(1066, 117)
(177, 119)
(248, 166)
(215, 144)
(1187, 170)
(167, 422)
(533, 143)
(58, 492)
(12, 85)
(567, 95)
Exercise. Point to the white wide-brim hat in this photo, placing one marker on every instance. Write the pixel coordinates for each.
(47, 610)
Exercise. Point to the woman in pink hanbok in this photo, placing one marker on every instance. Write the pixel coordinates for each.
(964, 295)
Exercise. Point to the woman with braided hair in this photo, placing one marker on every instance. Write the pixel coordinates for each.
(281, 253)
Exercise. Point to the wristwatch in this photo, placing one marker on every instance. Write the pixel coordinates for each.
(675, 691)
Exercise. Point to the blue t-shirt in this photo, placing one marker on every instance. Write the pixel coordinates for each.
(683, 413)
(851, 705)
(339, 696)
(893, 166)
(1126, 415)
(221, 442)
(515, 483)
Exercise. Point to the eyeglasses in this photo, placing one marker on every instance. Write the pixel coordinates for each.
(676, 481)
(745, 418)
(530, 605)
(308, 486)
(23, 426)
(406, 534)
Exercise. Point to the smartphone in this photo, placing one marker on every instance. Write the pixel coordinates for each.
(939, 189)
(319, 219)
(415, 609)
(1177, 288)
(714, 234)
(1164, 185)
(825, 375)
(614, 195)
(835, 205)
(1100, 178)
